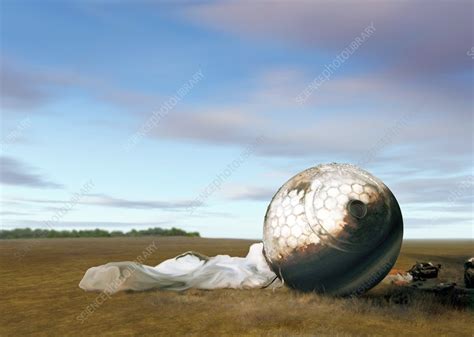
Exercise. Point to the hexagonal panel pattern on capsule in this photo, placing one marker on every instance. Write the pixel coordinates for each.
(333, 192)
(290, 224)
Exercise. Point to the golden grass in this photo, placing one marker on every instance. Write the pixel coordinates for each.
(40, 296)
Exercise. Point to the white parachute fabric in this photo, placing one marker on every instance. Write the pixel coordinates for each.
(189, 270)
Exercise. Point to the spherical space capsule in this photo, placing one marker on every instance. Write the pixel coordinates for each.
(333, 229)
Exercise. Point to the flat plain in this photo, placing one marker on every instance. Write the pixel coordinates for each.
(40, 296)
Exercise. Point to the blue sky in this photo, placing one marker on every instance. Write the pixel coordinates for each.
(79, 78)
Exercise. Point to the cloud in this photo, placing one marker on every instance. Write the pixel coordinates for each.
(7, 213)
(345, 133)
(438, 222)
(435, 200)
(14, 172)
(448, 191)
(347, 117)
(20, 89)
(414, 38)
(222, 126)
(104, 200)
(108, 201)
(252, 193)
(24, 87)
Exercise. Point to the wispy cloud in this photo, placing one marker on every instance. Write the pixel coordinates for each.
(219, 125)
(8, 213)
(448, 191)
(20, 89)
(103, 200)
(328, 124)
(14, 172)
(345, 133)
(109, 201)
(408, 34)
(252, 193)
(24, 87)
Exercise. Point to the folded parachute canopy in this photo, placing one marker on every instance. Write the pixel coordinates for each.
(189, 270)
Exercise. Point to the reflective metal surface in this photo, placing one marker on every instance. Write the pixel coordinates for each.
(333, 228)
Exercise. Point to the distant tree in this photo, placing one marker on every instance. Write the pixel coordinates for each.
(28, 233)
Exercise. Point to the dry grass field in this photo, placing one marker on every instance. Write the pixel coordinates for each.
(40, 296)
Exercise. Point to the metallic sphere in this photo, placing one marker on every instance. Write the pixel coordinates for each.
(334, 229)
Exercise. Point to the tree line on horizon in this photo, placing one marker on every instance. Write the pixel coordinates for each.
(28, 233)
